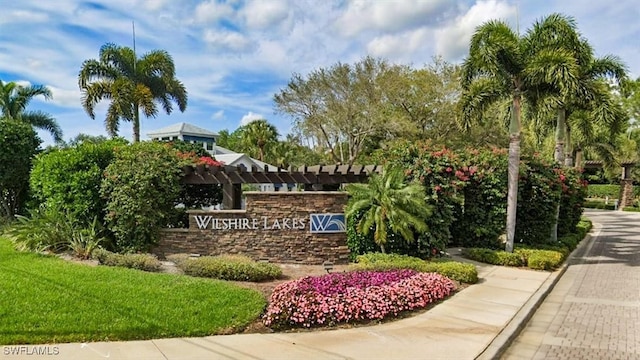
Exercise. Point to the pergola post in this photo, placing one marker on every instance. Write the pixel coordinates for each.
(626, 187)
(232, 196)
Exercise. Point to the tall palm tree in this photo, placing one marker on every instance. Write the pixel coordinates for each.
(387, 203)
(132, 85)
(502, 64)
(592, 94)
(582, 91)
(14, 100)
(260, 134)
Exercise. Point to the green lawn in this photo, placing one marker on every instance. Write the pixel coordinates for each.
(44, 299)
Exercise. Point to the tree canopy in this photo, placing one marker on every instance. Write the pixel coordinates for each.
(131, 84)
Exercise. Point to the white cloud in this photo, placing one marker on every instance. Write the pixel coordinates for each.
(218, 115)
(452, 41)
(391, 15)
(65, 97)
(261, 14)
(226, 40)
(400, 46)
(211, 11)
(250, 117)
(23, 16)
(154, 5)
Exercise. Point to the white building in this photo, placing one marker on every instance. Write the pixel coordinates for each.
(194, 134)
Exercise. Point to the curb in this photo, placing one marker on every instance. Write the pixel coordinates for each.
(509, 333)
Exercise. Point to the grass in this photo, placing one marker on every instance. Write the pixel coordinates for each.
(44, 299)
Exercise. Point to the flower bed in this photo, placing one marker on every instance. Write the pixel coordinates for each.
(354, 296)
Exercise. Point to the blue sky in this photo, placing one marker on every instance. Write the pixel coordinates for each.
(233, 56)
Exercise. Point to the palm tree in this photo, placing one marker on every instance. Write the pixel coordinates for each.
(387, 203)
(592, 94)
(131, 84)
(14, 100)
(260, 134)
(502, 64)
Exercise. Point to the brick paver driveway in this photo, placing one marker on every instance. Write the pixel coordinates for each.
(594, 310)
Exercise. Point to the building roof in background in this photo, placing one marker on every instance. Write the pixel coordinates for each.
(227, 156)
(181, 128)
(219, 150)
(236, 159)
(230, 159)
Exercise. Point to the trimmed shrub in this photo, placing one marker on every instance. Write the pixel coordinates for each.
(599, 204)
(69, 179)
(229, 267)
(454, 270)
(509, 259)
(141, 187)
(583, 227)
(482, 255)
(570, 241)
(602, 191)
(353, 297)
(462, 272)
(631, 209)
(145, 262)
(537, 259)
(544, 259)
(539, 193)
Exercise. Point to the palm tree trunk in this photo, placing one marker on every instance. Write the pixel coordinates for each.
(136, 124)
(559, 158)
(561, 125)
(568, 156)
(514, 165)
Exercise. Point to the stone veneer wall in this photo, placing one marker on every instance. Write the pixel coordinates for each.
(277, 245)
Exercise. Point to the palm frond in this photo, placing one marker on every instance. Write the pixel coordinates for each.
(477, 98)
(609, 66)
(44, 121)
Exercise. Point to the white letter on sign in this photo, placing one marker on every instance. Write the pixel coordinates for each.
(203, 221)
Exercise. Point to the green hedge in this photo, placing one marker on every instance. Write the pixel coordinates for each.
(533, 258)
(540, 257)
(69, 179)
(602, 191)
(228, 267)
(462, 272)
(599, 204)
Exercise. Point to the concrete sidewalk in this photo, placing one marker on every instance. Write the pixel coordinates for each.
(468, 325)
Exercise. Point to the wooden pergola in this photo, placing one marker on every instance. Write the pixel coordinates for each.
(626, 167)
(313, 177)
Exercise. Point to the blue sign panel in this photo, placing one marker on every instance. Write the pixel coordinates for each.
(327, 223)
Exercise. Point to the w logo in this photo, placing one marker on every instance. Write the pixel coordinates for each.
(327, 223)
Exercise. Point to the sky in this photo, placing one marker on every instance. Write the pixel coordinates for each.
(234, 55)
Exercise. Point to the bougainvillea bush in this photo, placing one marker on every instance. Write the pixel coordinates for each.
(352, 297)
